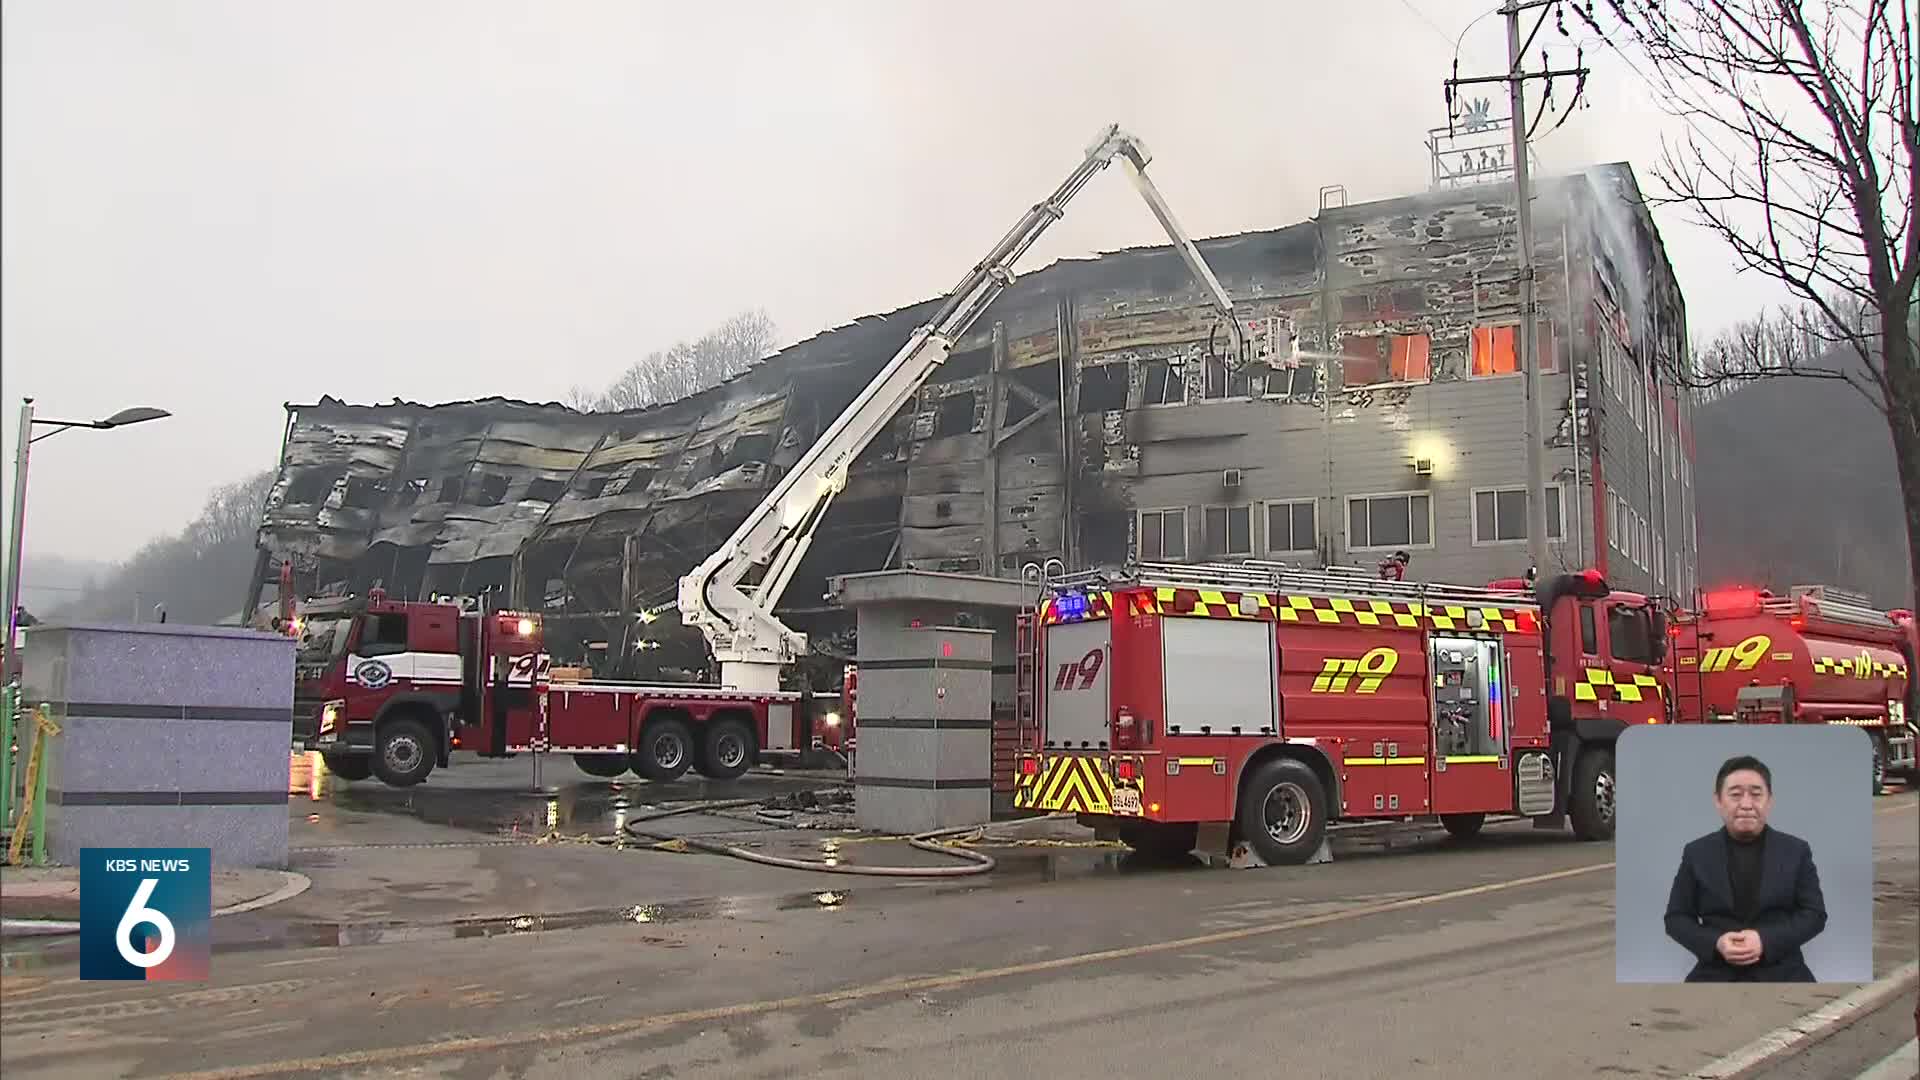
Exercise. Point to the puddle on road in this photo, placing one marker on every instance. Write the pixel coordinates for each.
(567, 802)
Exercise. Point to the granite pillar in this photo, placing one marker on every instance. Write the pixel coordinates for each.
(925, 725)
(170, 736)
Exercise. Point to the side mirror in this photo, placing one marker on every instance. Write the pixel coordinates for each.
(1657, 630)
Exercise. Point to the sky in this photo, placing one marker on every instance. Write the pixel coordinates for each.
(218, 208)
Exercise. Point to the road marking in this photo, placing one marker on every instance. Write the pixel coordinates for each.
(1910, 804)
(1812, 1027)
(489, 1043)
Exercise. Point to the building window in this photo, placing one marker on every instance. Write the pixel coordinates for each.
(1163, 534)
(1229, 530)
(1500, 515)
(1165, 384)
(1496, 349)
(1389, 521)
(1293, 526)
(1221, 383)
(1292, 382)
(1384, 358)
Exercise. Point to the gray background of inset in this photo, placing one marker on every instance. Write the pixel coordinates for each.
(1821, 777)
(170, 736)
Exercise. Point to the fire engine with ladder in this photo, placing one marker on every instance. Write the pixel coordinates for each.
(1816, 655)
(1262, 702)
(390, 688)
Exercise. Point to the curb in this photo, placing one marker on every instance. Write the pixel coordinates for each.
(292, 885)
(1812, 1027)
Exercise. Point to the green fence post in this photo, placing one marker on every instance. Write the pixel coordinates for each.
(9, 703)
(40, 801)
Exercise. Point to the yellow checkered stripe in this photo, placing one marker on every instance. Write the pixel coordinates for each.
(1066, 783)
(1857, 667)
(1598, 683)
(1210, 603)
(1407, 615)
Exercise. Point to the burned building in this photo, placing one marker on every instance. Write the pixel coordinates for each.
(1090, 415)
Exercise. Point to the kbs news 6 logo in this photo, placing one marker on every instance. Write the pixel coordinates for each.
(146, 913)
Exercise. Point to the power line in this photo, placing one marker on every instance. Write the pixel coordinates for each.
(1431, 25)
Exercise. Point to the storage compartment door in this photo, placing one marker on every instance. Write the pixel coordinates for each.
(1219, 676)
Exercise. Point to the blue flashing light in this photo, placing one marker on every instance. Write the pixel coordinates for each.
(1071, 606)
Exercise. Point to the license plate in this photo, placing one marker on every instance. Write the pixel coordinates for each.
(1126, 800)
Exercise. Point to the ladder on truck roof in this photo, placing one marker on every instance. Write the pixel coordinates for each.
(1829, 604)
(1258, 575)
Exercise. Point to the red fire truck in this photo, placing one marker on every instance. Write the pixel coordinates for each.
(391, 688)
(1815, 655)
(1267, 701)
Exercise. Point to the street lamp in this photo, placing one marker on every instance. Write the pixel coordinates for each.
(136, 415)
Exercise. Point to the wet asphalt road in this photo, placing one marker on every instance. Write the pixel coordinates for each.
(1436, 959)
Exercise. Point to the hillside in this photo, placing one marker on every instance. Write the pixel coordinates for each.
(1796, 486)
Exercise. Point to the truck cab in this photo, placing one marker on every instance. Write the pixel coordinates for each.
(390, 688)
(1603, 655)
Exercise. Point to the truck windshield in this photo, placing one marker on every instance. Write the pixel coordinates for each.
(323, 637)
(1630, 634)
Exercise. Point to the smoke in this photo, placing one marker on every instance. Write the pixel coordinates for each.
(1609, 219)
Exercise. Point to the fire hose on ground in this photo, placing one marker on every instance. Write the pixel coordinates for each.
(977, 862)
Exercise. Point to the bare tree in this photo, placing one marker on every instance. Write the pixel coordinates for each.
(687, 368)
(194, 571)
(1820, 102)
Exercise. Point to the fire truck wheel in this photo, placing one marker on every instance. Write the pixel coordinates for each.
(1283, 811)
(605, 766)
(1463, 826)
(1879, 764)
(1591, 805)
(403, 751)
(666, 749)
(726, 751)
(348, 766)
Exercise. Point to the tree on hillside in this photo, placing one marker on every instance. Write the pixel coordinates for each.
(195, 573)
(1819, 101)
(687, 368)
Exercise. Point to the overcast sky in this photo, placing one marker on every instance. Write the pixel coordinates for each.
(217, 208)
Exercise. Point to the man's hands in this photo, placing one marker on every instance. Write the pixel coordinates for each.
(1739, 947)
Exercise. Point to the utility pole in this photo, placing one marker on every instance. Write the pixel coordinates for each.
(1528, 344)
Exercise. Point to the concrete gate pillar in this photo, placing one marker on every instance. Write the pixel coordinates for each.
(170, 736)
(924, 724)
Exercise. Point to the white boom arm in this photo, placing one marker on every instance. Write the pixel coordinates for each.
(747, 640)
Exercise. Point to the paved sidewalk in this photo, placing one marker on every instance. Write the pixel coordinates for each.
(53, 892)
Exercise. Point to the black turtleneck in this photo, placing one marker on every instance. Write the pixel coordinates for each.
(1744, 861)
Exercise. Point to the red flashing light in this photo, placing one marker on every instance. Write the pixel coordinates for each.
(1732, 599)
(1029, 766)
(946, 648)
(1798, 622)
(1123, 770)
(1592, 577)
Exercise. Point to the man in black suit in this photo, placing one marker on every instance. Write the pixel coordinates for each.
(1747, 897)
